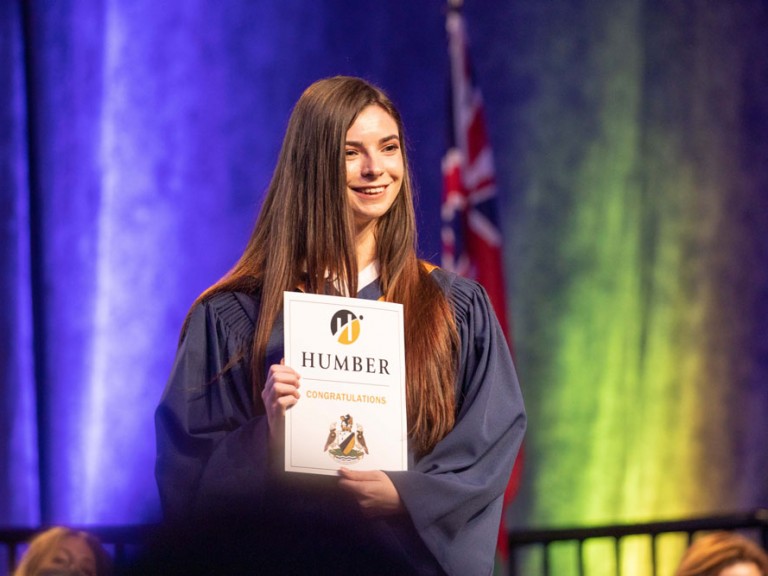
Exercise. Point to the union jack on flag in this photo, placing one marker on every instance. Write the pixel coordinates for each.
(470, 233)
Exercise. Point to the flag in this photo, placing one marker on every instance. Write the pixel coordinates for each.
(472, 243)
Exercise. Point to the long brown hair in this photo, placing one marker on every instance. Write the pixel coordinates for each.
(305, 232)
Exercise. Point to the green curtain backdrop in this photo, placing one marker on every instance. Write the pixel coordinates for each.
(640, 260)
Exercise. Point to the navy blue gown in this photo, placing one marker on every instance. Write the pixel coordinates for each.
(213, 455)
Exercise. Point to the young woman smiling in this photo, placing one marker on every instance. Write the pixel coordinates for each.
(338, 218)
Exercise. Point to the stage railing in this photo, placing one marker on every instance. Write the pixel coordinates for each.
(521, 541)
(122, 541)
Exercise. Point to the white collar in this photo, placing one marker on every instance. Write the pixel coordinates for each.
(368, 274)
(364, 277)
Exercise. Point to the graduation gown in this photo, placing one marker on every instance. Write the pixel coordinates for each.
(213, 454)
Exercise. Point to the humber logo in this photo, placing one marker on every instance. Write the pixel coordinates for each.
(345, 326)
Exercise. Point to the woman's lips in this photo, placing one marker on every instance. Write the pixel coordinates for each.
(370, 190)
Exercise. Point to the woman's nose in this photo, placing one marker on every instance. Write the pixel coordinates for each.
(372, 167)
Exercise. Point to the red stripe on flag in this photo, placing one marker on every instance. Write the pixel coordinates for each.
(471, 238)
(477, 137)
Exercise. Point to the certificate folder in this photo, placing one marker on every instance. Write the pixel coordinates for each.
(350, 354)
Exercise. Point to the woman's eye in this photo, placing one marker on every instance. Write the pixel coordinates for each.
(350, 153)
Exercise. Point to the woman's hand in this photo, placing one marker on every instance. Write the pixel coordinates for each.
(373, 490)
(281, 391)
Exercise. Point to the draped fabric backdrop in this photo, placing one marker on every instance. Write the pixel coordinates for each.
(631, 140)
(140, 137)
(640, 258)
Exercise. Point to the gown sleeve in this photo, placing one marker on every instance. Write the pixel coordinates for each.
(211, 447)
(454, 494)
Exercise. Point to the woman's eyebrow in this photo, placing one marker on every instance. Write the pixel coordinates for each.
(381, 140)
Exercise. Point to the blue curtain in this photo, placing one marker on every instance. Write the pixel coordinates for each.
(137, 139)
(18, 452)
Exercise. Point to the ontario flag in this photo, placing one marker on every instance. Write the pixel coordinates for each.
(470, 233)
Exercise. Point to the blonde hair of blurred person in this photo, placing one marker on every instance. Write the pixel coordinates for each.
(724, 554)
(60, 550)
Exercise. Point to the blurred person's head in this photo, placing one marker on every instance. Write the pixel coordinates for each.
(61, 551)
(724, 554)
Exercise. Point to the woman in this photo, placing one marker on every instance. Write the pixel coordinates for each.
(60, 551)
(338, 218)
(723, 554)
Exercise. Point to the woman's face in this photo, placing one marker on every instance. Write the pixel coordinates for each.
(374, 165)
(741, 569)
(73, 553)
